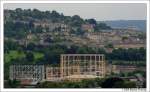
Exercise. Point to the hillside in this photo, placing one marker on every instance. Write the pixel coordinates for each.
(140, 24)
(20, 22)
(40, 37)
(47, 27)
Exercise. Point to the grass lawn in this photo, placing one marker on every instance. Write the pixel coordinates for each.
(38, 55)
(13, 54)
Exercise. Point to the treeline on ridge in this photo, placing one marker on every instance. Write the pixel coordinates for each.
(20, 29)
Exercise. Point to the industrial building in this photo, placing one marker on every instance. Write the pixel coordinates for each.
(52, 73)
(27, 74)
(72, 67)
(81, 66)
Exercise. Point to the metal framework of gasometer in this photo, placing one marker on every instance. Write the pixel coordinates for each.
(81, 66)
(72, 67)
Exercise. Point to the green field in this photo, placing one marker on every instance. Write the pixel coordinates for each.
(13, 54)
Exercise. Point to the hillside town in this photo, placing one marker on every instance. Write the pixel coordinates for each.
(63, 33)
(124, 38)
(45, 49)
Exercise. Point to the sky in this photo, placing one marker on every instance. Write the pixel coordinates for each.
(99, 11)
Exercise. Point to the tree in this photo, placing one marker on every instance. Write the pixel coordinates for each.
(79, 31)
(76, 21)
(38, 29)
(88, 83)
(102, 26)
(30, 46)
(37, 14)
(72, 49)
(55, 14)
(10, 45)
(129, 84)
(101, 51)
(92, 21)
(29, 56)
(124, 38)
(18, 10)
(82, 50)
(52, 56)
(16, 30)
(31, 25)
(109, 45)
(13, 83)
(20, 50)
(131, 54)
(113, 82)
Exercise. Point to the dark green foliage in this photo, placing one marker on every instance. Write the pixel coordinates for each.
(91, 21)
(82, 50)
(12, 84)
(76, 21)
(129, 85)
(109, 45)
(16, 30)
(103, 26)
(30, 46)
(6, 70)
(29, 56)
(116, 82)
(101, 51)
(86, 83)
(144, 84)
(79, 31)
(52, 53)
(112, 83)
(89, 83)
(128, 54)
(20, 22)
(10, 45)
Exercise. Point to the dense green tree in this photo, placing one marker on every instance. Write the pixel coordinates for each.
(72, 49)
(82, 50)
(79, 31)
(109, 45)
(16, 30)
(55, 14)
(101, 51)
(102, 26)
(26, 18)
(13, 84)
(29, 56)
(92, 21)
(113, 82)
(131, 54)
(30, 46)
(129, 85)
(76, 21)
(52, 56)
(10, 45)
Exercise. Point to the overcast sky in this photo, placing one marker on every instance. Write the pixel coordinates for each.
(100, 12)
